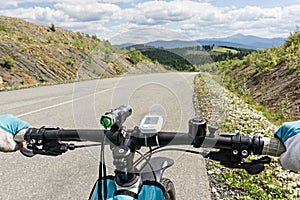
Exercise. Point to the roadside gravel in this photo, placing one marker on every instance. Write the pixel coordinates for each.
(221, 107)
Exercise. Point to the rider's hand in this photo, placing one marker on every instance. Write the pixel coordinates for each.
(289, 134)
(9, 126)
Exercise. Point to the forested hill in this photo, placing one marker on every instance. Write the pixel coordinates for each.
(32, 54)
(271, 77)
(190, 58)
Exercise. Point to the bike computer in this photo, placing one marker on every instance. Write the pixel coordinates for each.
(151, 124)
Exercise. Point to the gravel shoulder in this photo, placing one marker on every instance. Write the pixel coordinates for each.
(273, 182)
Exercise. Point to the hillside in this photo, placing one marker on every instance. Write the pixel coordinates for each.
(32, 54)
(270, 77)
(189, 58)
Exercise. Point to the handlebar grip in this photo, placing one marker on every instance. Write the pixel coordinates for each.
(49, 133)
(273, 147)
(19, 137)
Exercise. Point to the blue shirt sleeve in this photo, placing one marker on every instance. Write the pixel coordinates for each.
(288, 130)
(12, 124)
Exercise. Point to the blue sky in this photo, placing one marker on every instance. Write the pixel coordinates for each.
(138, 21)
(259, 3)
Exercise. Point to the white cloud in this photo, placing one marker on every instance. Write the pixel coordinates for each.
(37, 14)
(162, 12)
(292, 13)
(15, 3)
(117, 1)
(88, 12)
(266, 22)
(251, 13)
(191, 19)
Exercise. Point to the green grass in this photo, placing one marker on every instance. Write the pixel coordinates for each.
(4, 28)
(224, 50)
(25, 38)
(276, 117)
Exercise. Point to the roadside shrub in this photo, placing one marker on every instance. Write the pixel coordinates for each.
(94, 37)
(53, 28)
(117, 69)
(135, 56)
(51, 39)
(8, 62)
(26, 38)
(107, 55)
(70, 61)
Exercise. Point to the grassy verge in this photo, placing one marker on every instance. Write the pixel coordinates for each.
(273, 182)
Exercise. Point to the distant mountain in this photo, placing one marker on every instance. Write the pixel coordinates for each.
(237, 41)
(125, 45)
(172, 44)
(245, 41)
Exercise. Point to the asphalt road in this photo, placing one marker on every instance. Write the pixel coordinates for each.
(80, 105)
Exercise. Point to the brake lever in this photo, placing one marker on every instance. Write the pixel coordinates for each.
(226, 159)
(253, 167)
(27, 152)
(49, 148)
(54, 148)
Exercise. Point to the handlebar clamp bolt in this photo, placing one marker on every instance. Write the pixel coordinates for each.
(121, 150)
(245, 153)
(235, 152)
(32, 141)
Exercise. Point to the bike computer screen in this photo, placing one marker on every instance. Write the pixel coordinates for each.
(151, 124)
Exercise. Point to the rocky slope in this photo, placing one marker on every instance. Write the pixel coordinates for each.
(32, 54)
(271, 77)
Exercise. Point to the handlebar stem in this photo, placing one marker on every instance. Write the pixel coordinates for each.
(123, 156)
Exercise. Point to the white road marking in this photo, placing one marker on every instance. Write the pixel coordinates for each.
(60, 104)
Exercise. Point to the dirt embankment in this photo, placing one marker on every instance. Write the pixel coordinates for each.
(271, 77)
(32, 54)
(277, 89)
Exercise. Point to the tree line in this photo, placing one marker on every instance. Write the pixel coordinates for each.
(189, 58)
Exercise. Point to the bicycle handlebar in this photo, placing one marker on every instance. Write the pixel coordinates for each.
(258, 145)
(233, 148)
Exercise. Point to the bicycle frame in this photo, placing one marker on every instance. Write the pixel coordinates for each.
(139, 190)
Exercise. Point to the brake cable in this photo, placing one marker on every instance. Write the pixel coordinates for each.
(159, 149)
(148, 163)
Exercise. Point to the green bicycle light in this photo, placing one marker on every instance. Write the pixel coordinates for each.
(116, 117)
(106, 122)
